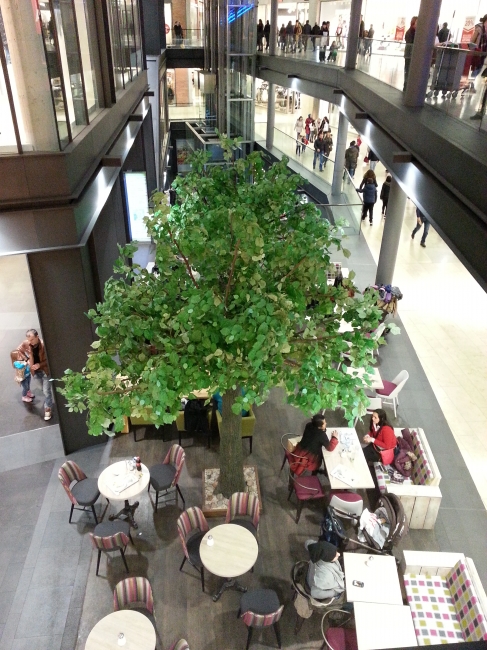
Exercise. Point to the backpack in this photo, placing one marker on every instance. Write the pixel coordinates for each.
(331, 529)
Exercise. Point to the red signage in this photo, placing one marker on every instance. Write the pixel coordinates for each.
(468, 28)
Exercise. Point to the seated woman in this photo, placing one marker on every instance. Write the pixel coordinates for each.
(325, 577)
(309, 448)
(381, 436)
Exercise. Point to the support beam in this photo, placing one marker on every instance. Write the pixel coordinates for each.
(352, 45)
(341, 145)
(271, 116)
(392, 234)
(416, 82)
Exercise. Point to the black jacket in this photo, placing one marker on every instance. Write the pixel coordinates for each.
(385, 191)
(320, 145)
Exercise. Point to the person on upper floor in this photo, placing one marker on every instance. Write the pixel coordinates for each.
(306, 34)
(325, 577)
(315, 32)
(381, 436)
(309, 448)
(444, 33)
(298, 31)
(267, 34)
(289, 36)
(408, 50)
(260, 35)
(373, 159)
(479, 38)
(299, 125)
(282, 37)
(370, 198)
(328, 139)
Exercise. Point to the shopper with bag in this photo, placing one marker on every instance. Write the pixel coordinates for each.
(381, 439)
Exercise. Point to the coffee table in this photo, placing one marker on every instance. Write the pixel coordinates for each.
(233, 553)
(379, 576)
(381, 626)
(113, 474)
(357, 468)
(138, 631)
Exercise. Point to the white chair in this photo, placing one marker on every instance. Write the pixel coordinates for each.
(376, 334)
(374, 404)
(348, 503)
(391, 390)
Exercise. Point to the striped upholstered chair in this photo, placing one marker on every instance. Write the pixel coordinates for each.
(133, 591)
(192, 526)
(244, 509)
(165, 475)
(182, 644)
(81, 490)
(111, 536)
(261, 608)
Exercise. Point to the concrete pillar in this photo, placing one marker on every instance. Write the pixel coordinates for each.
(37, 122)
(424, 40)
(315, 112)
(391, 235)
(340, 147)
(313, 9)
(352, 45)
(274, 27)
(271, 114)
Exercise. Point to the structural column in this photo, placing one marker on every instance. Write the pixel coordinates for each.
(391, 235)
(424, 40)
(274, 27)
(313, 12)
(340, 148)
(271, 95)
(352, 45)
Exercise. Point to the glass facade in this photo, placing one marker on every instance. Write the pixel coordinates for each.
(51, 83)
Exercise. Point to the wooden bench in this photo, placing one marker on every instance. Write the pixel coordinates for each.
(420, 498)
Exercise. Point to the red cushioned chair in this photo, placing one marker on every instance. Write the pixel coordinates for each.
(338, 638)
(391, 390)
(244, 510)
(192, 526)
(261, 608)
(306, 488)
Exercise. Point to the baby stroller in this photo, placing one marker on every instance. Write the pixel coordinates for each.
(390, 517)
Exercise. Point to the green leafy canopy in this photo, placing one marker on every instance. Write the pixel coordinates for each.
(241, 260)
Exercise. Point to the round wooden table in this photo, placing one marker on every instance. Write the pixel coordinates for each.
(138, 631)
(114, 474)
(234, 552)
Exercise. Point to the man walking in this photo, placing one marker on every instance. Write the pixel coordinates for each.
(408, 50)
(306, 34)
(351, 157)
(319, 146)
(422, 221)
(39, 368)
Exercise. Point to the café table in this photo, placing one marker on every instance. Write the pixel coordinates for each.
(381, 626)
(377, 573)
(234, 552)
(374, 376)
(139, 633)
(352, 461)
(113, 477)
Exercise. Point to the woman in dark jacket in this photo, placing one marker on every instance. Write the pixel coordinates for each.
(384, 194)
(381, 436)
(309, 448)
(370, 198)
(260, 35)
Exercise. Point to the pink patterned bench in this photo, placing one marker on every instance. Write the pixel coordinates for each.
(420, 495)
(447, 608)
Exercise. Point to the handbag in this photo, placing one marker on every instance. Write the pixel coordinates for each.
(366, 159)
(386, 455)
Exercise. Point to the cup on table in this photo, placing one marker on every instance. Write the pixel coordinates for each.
(369, 560)
(121, 639)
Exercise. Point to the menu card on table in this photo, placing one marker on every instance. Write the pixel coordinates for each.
(343, 474)
(121, 483)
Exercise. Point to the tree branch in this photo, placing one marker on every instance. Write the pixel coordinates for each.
(186, 262)
(232, 269)
(294, 268)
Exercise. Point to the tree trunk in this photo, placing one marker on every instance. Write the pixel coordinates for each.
(231, 458)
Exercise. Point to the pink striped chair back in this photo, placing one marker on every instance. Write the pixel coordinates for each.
(69, 472)
(243, 503)
(175, 456)
(133, 591)
(110, 543)
(190, 520)
(262, 620)
(182, 644)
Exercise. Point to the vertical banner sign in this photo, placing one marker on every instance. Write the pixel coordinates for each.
(468, 28)
(400, 29)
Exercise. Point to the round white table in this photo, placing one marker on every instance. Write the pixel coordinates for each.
(233, 553)
(138, 631)
(112, 478)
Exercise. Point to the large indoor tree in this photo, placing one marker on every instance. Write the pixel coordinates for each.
(240, 304)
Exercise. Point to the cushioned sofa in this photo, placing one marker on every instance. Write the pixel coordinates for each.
(447, 601)
(420, 495)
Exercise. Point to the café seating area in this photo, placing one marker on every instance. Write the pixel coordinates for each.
(236, 576)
